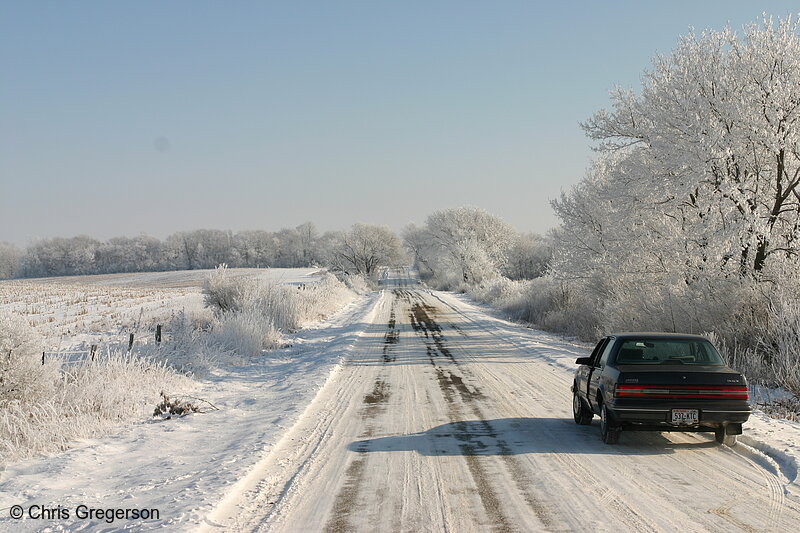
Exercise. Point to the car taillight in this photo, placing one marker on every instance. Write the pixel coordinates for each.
(724, 392)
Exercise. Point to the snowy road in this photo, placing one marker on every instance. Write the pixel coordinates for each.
(446, 419)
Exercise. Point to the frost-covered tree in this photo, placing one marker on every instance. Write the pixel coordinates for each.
(10, 257)
(60, 257)
(196, 249)
(125, 254)
(366, 247)
(690, 215)
(712, 142)
(528, 257)
(327, 245)
(255, 248)
(460, 245)
(307, 238)
(297, 247)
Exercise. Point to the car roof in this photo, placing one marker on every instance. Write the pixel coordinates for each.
(656, 335)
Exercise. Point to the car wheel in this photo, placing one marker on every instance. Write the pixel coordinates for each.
(580, 412)
(608, 432)
(724, 438)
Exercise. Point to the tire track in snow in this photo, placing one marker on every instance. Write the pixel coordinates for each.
(346, 499)
(634, 519)
(776, 491)
(423, 316)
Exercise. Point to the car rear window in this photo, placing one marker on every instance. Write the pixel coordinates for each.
(667, 352)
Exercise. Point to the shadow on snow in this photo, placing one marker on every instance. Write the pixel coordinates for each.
(518, 436)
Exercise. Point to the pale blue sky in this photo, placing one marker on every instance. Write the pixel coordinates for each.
(120, 118)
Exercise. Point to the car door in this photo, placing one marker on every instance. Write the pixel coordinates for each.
(585, 372)
(596, 372)
(582, 373)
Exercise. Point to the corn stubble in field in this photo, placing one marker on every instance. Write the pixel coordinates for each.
(72, 308)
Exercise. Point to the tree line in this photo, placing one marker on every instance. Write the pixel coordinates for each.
(359, 250)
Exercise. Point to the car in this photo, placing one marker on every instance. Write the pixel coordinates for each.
(659, 382)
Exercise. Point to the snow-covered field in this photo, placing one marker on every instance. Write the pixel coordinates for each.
(77, 311)
(68, 367)
(184, 278)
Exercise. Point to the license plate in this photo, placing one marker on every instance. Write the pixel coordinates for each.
(685, 416)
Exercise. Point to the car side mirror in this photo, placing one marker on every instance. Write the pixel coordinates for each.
(583, 361)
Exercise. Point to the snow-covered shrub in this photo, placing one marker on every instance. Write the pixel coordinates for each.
(502, 293)
(772, 356)
(252, 315)
(223, 292)
(319, 300)
(17, 336)
(561, 306)
(665, 304)
(529, 256)
(118, 385)
(189, 348)
(23, 377)
(275, 302)
(44, 407)
(358, 283)
(782, 346)
(545, 302)
(246, 332)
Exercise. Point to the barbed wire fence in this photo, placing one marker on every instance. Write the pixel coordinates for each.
(78, 357)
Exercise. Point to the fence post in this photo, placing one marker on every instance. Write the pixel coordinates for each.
(42, 358)
(158, 334)
(130, 343)
(94, 351)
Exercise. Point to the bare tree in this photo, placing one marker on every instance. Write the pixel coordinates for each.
(366, 247)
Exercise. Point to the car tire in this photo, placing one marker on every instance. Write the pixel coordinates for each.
(723, 438)
(608, 432)
(580, 412)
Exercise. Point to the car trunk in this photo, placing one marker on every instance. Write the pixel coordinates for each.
(680, 381)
